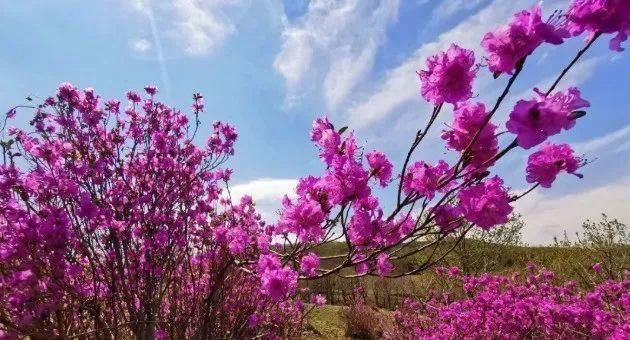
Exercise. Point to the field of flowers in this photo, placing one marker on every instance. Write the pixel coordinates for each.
(114, 224)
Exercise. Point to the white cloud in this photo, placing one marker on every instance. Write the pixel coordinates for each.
(577, 75)
(610, 140)
(141, 45)
(267, 194)
(448, 8)
(400, 85)
(336, 38)
(546, 216)
(199, 26)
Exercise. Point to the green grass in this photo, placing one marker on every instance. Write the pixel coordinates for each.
(567, 262)
(326, 322)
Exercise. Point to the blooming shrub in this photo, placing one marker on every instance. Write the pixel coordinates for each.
(113, 223)
(517, 307)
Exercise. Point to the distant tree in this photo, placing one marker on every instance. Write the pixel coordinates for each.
(483, 250)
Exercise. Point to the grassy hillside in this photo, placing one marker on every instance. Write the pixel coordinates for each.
(473, 257)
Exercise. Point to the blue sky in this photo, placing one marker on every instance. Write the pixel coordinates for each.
(269, 67)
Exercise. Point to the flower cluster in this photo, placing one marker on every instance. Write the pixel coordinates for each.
(117, 209)
(425, 179)
(510, 44)
(515, 307)
(601, 16)
(111, 215)
(486, 204)
(471, 119)
(533, 121)
(449, 76)
(544, 165)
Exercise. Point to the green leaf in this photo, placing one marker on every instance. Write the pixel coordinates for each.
(578, 114)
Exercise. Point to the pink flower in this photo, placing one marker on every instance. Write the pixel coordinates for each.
(453, 271)
(605, 16)
(318, 300)
(380, 167)
(544, 165)
(303, 219)
(268, 262)
(360, 268)
(237, 240)
(279, 284)
(449, 76)
(597, 267)
(509, 44)
(535, 120)
(469, 118)
(253, 320)
(133, 97)
(161, 334)
(383, 265)
(68, 93)
(425, 179)
(150, 90)
(486, 204)
(198, 104)
(366, 225)
(309, 264)
(327, 139)
(11, 113)
(447, 217)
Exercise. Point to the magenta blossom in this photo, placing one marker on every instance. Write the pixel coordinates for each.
(453, 271)
(383, 265)
(309, 264)
(318, 300)
(279, 283)
(512, 307)
(150, 90)
(535, 120)
(268, 262)
(425, 179)
(303, 219)
(380, 167)
(544, 165)
(448, 218)
(469, 119)
(486, 204)
(603, 16)
(11, 113)
(511, 43)
(449, 76)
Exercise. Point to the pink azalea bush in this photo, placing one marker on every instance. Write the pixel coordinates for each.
(114, 223)
(517, 307)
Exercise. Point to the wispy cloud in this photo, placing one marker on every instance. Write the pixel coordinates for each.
(336, 38)
(140, 45)
(143, 45)
(201, 26)
(615, 141)
(267, 193)
(198, 26)
(448, 8)
(400, 85)
(546, 216)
